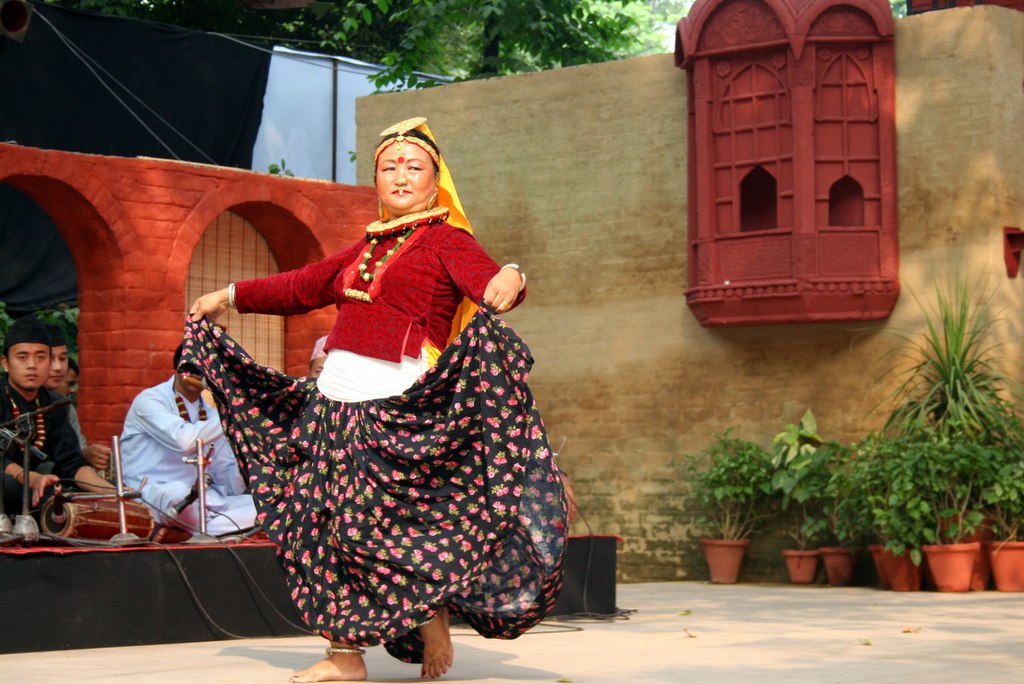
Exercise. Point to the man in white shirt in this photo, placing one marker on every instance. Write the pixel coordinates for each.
(160, 431)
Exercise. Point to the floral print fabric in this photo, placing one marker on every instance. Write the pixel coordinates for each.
(386, 510)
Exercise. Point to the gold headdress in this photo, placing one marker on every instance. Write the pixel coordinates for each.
(396, 135)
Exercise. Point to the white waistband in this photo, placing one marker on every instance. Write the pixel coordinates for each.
(350, 377)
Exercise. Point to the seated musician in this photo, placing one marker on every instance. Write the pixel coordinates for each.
(160, 431)
(26, 361)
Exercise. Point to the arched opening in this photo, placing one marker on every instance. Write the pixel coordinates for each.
(232, 249)
(846, 203)
(758, 201)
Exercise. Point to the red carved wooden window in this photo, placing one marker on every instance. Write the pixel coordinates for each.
(792, 214)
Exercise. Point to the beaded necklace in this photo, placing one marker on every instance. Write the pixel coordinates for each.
(368, 254)
(183, 412)
(40, 438)
(375, 233)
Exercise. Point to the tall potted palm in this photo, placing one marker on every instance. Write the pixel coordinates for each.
(952, 406)
(730, 484)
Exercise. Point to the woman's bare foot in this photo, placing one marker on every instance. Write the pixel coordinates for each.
(336, 667)
(438, 652)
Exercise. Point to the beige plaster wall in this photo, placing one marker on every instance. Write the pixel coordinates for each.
(579, 175)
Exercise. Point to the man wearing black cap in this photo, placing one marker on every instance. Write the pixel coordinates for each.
(26, 361)
(98, 455)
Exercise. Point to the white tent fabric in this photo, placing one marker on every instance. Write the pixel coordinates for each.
(307, 121)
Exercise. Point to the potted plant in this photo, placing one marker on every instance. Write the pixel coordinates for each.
(890, 470)
(846, 523)
(951, 410)
(730, 483)
(1004, 506)
(959, 471)
(799, 478)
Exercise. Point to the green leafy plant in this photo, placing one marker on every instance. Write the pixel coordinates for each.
(925, 488)
(848, 521)
(280, 170)
(63, 315)
(1003, 492)
(800, 476)
(1004, 502)
(731, 484)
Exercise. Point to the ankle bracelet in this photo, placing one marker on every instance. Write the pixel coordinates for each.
(334, 651)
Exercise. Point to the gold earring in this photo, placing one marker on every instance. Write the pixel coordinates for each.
(380, 208)
(433, 201)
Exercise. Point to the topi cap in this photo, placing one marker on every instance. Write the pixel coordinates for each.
(57, 336)
(28, 330)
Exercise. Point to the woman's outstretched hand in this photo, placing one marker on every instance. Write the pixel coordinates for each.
(503, 289)
(212, 304)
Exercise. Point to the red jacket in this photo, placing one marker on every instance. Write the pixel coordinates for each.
(419, 292)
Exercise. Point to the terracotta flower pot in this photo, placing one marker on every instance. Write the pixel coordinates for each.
(982, 566)
(801, 564)
(952, 565)
(724, 557)
(880, 565)
(902, 573)
(838, 562)
(1007, 558)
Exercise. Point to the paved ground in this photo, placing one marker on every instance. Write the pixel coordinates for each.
(675, 632)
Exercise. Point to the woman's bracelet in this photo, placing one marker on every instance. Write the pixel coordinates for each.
(231, 295)
(522, 276)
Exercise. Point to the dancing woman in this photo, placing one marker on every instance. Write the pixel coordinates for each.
(413, 480)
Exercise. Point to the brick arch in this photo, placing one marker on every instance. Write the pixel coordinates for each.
(294, 228)
(94, 227)
(132, 225)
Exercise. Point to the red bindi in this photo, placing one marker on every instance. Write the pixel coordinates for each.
(401, 160)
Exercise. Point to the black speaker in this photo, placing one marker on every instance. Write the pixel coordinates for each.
(588, 577)
(14, 16)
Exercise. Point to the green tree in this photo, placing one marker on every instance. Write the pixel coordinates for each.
(454, 39)
(460, 39)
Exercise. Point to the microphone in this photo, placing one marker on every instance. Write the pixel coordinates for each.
(177, 508)
(63, 401)
(7, 438)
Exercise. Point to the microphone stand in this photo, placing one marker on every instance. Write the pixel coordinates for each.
(6, 526)
(123, 537)
(25, 525)
(200, 537)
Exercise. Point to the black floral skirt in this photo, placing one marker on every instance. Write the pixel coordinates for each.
(386, 510)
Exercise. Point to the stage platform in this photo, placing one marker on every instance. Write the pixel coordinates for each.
(688, 632)
(102, 595)
(98, 595)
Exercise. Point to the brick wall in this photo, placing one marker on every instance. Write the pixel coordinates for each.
(132, 225)
(579, 175)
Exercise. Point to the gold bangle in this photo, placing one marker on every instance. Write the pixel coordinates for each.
(335, 650)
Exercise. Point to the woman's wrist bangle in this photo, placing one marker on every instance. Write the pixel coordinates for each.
(231, 295)
(522, 276)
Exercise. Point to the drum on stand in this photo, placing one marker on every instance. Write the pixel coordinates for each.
(92, 516)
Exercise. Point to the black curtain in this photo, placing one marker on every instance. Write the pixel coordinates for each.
(100, 84)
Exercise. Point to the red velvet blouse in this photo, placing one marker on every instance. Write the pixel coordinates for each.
(419, 292)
